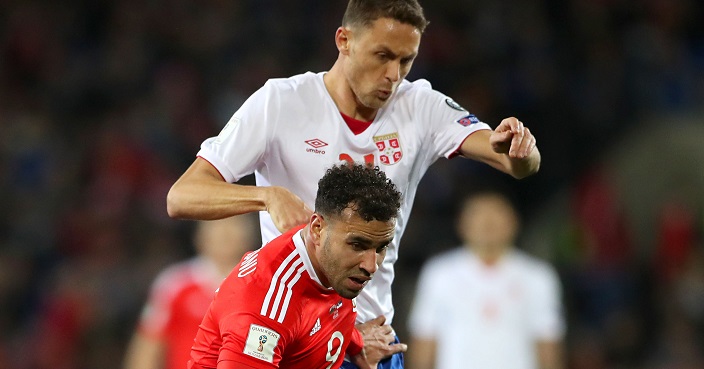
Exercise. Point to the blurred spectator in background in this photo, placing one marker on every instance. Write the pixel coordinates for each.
(486, 304)
(181, 294)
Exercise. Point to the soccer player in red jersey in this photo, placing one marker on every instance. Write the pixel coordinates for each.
(290, 304)
(181, 294)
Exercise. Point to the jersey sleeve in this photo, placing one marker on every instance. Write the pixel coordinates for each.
(252, 340)
(246, 337)
(356, 343)
(449, 124)
(239, 148)
(424, 314)
(547, 323)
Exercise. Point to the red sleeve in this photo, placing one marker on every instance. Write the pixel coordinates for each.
(236, 365)
(356, 344)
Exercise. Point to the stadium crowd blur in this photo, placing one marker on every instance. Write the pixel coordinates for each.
(104, 103)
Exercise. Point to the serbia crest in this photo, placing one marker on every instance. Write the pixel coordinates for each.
(389, 148)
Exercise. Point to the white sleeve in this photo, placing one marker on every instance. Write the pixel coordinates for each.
(424, 315)
(240, 147)
(448, 123)
(548, 322)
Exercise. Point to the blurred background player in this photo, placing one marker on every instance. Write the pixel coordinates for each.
(181, 294)
(486, 304)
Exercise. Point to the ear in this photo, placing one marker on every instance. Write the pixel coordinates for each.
(342, 40)
(317, 223)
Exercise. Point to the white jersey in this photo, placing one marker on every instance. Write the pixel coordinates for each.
(486, 316)
(290, 131)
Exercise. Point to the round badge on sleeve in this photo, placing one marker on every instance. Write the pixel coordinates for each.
(451, 103)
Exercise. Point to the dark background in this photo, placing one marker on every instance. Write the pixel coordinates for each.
(103, 104)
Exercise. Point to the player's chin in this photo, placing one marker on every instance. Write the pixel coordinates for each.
(375, 102)
(351, 287)
(348, 294)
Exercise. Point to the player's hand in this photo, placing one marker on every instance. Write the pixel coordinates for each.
(378, 343)
(286, 209)
(512, 138)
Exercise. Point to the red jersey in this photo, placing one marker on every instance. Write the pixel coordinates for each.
(272, 311)
(179, 298)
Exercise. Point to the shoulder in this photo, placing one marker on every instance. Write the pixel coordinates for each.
(534, 268)
(409, 89)
(295, 84)
(262, 264)
(177, 275)
(446, 262)
(421, 95)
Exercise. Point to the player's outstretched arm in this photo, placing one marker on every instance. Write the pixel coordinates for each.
(201, 193)
(422, 354)
(510, 148)
(144, 353)
(378, 343)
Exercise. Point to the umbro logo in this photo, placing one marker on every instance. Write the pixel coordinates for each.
(316, 327)
(316, 144)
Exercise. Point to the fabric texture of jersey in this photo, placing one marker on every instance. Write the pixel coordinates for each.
(272, 312)
(495, 318)
(290, 131)
(179, 297)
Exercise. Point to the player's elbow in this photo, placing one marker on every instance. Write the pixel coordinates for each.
(174, 204)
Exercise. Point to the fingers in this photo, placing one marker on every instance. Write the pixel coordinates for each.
(399, 347)
(522, 146)
(378, 320)
(522, 140)
(286, 209)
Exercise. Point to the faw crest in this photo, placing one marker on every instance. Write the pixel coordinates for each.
(389, 148)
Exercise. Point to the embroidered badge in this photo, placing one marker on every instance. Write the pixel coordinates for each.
(467, 120)
(451, 103)
(261, 342)
(389, 148)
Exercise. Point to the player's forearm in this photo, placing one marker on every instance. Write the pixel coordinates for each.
(144, 353)
(550, 355)
(207, 200)
(422, 354)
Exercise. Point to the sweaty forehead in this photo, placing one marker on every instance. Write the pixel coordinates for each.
(392, 32)
(350, 224)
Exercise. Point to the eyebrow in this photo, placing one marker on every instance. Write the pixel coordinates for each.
(394, 55)
(360, 239)
(367, 242)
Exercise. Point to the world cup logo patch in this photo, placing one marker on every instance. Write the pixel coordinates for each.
(389, 147)
(262, 341)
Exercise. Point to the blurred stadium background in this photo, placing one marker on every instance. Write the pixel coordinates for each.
(104, 103)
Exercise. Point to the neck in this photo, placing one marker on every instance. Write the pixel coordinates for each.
(224, 269)
(343, 96)
(489, 255)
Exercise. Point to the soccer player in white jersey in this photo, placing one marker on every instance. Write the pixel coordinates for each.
(362, 109)
(507, 313)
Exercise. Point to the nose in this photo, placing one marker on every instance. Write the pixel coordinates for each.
(393, 71)
(369, 262)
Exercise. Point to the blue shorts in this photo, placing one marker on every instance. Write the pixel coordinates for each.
(393, 362)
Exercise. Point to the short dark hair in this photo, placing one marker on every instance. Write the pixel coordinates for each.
(363, 187)
(364, 12)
